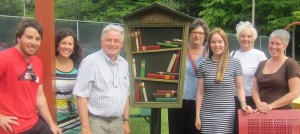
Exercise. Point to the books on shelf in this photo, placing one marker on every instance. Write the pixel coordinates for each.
(134, 67)
(137, 91)
(176, 62)
(152, 47)
(144, 91)
(171, 64)
(161, 76)
(136, 41)
(133, 41)
(164, 95)
(178, 40)
(167, 44)
(139, 37)
(142, 69)
(167, 73)
(166, 91)
(172, 42)
(165, 99)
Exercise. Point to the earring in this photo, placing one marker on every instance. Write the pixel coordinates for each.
(57, 49)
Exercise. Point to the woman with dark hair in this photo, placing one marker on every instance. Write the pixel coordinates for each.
(181, 120)
(68, 56)
(218, 76)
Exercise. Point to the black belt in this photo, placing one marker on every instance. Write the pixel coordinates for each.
(64, 93)
(108, 119)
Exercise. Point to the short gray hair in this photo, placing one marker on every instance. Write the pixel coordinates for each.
(245, 24)
(282, 34)
(114, 27)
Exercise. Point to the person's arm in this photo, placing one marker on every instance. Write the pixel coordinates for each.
(294, 89)
(199, 100)
(83, 115)
(262, 107)
(43, 110)
(241, 94)
(126, 122)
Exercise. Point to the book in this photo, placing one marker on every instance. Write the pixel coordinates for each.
(152, 47)
(161, 76)
(137, 91)
(166, 99)
(144, 91)
(172, 42)
(133, 67)
(176, 62)
(166, 91)
(142, 71)
(133, 41)
(166, 44)
(164, 95)
(171, 64)
(139, 37)
(167, 73)
(177, 40)
(136, 41)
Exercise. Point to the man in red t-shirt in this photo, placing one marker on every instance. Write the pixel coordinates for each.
(21, 91)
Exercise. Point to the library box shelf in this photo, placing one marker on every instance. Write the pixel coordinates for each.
(156, 40)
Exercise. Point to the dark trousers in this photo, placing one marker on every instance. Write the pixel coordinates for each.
(249, 102)
(182, 120)
(39, 128)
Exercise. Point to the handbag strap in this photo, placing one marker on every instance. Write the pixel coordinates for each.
(192, 61)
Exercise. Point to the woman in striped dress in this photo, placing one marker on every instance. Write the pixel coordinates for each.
(218, 76)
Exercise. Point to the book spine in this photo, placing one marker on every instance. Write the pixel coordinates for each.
(166, 91)
(171, 64)
(166, 44)
(166, 99)
(176, 62)
(154, 47)
(160, 76)
(144, 91)
(163, 95)
(142, 71)
(132, 41)
(136, 41)
(166, 73)
(137, 91)
(139, 37)
(134, 67)
(177, 40)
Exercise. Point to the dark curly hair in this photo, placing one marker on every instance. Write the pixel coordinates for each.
(63, 33)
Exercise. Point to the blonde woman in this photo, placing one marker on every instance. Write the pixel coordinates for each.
(218, 76)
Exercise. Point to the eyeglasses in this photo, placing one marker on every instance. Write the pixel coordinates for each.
(198, 33)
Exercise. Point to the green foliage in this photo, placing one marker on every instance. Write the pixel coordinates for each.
(269, 15)
(296, 15)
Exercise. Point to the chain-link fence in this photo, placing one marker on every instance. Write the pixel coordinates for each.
(88, 33)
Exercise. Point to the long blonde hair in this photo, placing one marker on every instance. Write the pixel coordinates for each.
(224, 56)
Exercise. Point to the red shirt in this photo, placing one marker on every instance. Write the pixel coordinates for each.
(17, 90)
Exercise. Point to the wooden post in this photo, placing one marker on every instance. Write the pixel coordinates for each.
(44, 13)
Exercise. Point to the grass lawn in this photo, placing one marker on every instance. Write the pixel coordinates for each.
(141, 126)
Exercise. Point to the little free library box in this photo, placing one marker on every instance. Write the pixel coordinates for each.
(156, 39)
